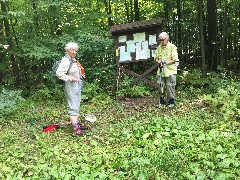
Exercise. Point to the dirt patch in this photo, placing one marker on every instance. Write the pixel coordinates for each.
(139, 103)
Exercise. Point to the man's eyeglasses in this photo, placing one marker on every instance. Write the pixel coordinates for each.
(162, 39)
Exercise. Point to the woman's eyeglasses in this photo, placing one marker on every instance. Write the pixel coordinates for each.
(162, 39)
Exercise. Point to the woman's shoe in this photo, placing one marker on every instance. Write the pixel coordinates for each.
(77, 132)
(81, 126)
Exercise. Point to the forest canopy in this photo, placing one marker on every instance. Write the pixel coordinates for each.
(34, 32)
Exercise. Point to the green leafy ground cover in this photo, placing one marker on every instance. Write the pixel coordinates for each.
(131, 139)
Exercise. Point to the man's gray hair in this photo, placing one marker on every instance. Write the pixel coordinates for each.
(164, 35)
(71, 45)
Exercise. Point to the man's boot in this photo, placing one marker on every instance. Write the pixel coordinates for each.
(161, 101)
(171, 103)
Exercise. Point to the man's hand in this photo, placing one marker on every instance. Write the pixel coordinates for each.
(162, 63)
(159, 61)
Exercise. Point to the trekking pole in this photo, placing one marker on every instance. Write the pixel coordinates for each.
(160, 82)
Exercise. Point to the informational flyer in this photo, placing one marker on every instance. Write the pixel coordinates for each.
(152, 39)
(153, 52)
(130, 46)
(145, 45)
(138, 50)
(122, 38)
(124, 56)
(142, 51)
(139, 37)
(138, 45)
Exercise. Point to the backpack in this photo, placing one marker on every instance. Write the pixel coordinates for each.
(55, 68)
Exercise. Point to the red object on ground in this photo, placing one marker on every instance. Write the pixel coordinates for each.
(50, 128)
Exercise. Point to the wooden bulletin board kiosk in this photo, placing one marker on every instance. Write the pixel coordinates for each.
(136, 42)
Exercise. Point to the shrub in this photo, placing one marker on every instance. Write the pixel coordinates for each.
(9, 100)
(128, 91)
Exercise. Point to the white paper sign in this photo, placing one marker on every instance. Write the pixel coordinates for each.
(138, 50)
(142, 51)
(122, 38)
(153, 52)
(139, 37)
(152, 39)
(124, 56)
(130, 46)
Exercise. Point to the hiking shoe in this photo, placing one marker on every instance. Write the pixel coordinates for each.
(77, 132)
(81, 126)
(161, 101)
(171, 103)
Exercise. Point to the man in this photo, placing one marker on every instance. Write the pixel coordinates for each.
(167, 57)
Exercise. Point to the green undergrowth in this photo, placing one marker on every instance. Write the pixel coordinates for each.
(132, 139)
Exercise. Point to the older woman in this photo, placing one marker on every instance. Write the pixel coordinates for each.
(167, 57)
(71, 71)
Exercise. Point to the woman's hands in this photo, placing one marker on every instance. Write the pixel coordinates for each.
(75, 79)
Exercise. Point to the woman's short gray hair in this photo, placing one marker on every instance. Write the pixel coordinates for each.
(71, 45)
(164, 35)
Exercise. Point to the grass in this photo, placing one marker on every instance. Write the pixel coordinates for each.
(131, 139)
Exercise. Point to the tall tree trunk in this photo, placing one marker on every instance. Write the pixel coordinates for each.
(212, 35)
(110, 22)
(1, 29)
(166, 16)
(136, 10)
(2, 54)
(223, 53)
(127, 11)
(15, 69)
(179, 25)
(108, 9)
(235, 52)
(131, 10)
(230, 46)
(238, 48)
(35, 16)
(173, 33)
(201, 35)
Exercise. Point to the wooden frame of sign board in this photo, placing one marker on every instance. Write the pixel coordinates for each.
(136, 43)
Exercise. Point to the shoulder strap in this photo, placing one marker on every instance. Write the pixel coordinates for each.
(70, 65)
